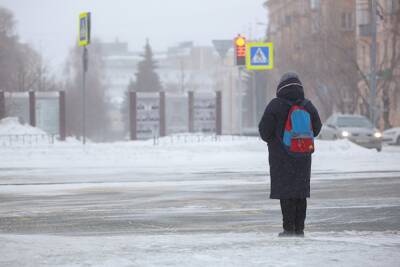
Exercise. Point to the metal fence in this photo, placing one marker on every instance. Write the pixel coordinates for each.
(49, 139)
(27, 139)
(197, 138)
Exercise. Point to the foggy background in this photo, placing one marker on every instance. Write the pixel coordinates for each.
(166, 46)
(52, 26)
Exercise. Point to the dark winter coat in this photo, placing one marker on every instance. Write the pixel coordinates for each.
(290, 176)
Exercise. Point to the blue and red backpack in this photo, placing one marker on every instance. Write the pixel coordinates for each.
(298, 135)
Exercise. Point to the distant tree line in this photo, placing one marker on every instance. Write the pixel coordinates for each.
(21, 67)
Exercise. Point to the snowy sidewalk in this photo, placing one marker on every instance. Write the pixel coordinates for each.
(228, 249)
(225, 155)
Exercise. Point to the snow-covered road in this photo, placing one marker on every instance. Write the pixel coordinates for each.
(192, 204)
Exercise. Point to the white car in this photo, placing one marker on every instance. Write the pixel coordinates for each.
(355, 128)
(392, 136)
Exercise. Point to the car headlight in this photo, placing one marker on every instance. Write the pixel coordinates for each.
(377, 135)
(345, 134)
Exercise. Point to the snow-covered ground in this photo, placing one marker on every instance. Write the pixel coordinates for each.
(11, 126)
(191, 201)
(180, 153)
(177, 155)
(230, 249)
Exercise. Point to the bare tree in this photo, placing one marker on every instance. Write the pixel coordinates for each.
(21, 67)
(322, 50)
(389, 66)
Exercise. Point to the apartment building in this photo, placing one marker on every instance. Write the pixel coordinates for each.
(317, 39)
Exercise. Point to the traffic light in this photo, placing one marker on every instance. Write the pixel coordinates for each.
(240, 50)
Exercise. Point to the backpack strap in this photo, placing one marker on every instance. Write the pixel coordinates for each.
(304, 102)
(286, 101)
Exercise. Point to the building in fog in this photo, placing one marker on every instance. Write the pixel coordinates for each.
(316, 38)
(388, 55)
(187, 67)
(120, 66)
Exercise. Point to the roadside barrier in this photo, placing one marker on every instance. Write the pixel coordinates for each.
(26, 139)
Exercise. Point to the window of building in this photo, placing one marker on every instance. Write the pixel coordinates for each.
(347, 21)
(392, 6)
(364, 57)
(363, 13)
(288, 20)
(343, 20)
(350, 20)
(315, 25)
(314, 4)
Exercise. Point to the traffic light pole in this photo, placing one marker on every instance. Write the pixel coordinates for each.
(240, 87)
(240, 61)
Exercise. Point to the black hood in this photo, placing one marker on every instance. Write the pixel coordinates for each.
(290, 87)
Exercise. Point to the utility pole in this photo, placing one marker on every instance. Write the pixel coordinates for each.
(373, 83)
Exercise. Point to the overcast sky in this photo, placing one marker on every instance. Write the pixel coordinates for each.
(51, 25)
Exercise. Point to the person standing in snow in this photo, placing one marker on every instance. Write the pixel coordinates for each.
(290, 174)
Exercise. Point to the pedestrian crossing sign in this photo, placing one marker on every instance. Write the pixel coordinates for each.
(259, 56)
(84, 29)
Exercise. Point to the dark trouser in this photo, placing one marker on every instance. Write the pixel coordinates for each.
(294, 214)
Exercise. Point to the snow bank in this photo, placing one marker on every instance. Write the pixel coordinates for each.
(185, 155)
(12, 126)
(343, 146)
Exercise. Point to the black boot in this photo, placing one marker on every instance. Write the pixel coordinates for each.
(299, 233)
(301, 208)
(286, 233)
(288, 213)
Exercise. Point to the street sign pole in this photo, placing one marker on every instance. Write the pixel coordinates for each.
(259, 57)
(84, 40)
(85, 57)
(254, 98)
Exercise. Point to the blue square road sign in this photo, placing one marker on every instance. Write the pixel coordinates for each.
(259, 56)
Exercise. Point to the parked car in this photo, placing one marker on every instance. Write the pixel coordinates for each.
(392, 136)
(355, 128)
